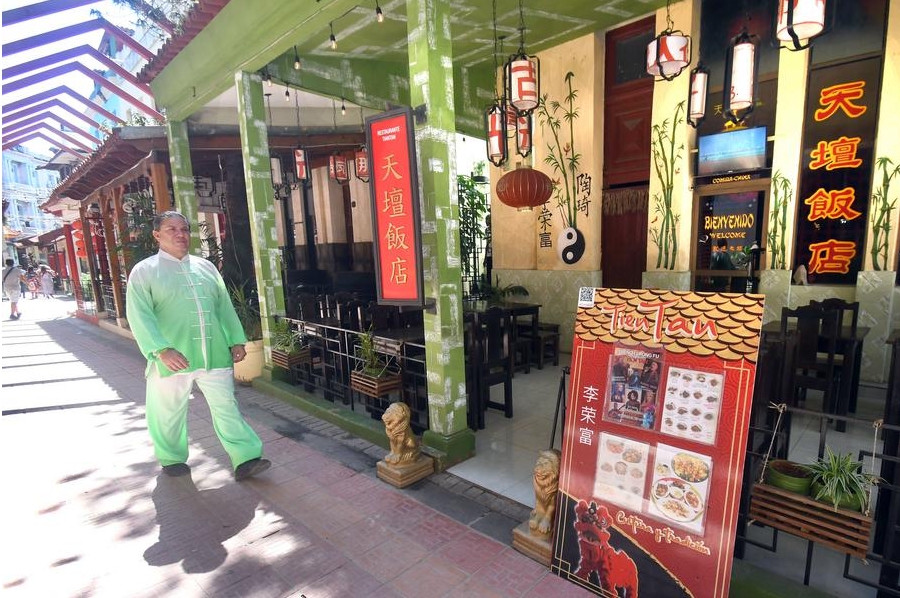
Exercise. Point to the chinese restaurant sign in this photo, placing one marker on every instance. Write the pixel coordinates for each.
(655, 437)
(394, 187)
(838, 150)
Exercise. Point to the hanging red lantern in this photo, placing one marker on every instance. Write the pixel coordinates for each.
(524, 188)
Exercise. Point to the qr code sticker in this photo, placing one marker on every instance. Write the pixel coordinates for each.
(586, 297)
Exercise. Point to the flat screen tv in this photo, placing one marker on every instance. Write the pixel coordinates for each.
(732, 151)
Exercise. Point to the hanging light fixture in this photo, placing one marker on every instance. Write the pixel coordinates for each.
(669, 53)
(361, 162)
(331, 38)
(343, 107)
(739, 92)
(267, 77)
(522, 75)
(296, 59)
(523, 135)
(495, 115)
(697, 92)
(379, 16)
(287, 95)
(798, 21)
(337, 168)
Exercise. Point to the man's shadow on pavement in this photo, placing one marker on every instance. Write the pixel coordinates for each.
(194, 524)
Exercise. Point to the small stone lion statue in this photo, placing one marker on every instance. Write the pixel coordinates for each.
(546, 484)
(404, 446)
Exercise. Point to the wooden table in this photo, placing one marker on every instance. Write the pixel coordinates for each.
(849, 346)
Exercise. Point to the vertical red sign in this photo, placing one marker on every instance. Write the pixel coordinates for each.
(394, 187)
(655, 439)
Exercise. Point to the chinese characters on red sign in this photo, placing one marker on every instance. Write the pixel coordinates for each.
(394, 188)
(834, 189)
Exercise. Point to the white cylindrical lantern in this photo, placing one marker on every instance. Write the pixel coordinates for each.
(805, 17)
(361, 160)
(495, 131)
(523, 135)
(337, 168)
(743, 76)
(300, 164)
(668, 54)
(697, 105)
(522, 83)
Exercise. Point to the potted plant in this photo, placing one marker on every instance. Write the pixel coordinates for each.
(840, 480)
(496, 293)
(373, 375)
(788, 475)
(288, 346)
(247, 310)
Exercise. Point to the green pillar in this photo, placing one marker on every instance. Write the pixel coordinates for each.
(431, 86)
(183, 177)
(260, 203)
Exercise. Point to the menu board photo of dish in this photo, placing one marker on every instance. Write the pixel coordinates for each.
(633, 389)
(621, 470)
(680, 487)
(691, 404)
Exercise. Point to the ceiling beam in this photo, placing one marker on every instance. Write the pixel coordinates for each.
(8, 143)
(41, 9)
(44, 61)
(36, 41)
(54, 103)
(97, 78)
(12, 128)
(69, 138)
(57, 91)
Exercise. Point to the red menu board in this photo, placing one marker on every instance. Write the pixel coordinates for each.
(655, 437)
(394, 187)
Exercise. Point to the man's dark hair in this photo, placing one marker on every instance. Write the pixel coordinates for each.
(158, 219)
(722, 242)
(9, 262)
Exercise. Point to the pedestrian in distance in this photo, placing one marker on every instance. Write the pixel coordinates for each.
(33, 281)
(12, 279)
(47, 282)
(185, 325)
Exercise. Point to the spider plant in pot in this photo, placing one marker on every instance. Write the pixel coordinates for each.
(288, 345)
(840, 480)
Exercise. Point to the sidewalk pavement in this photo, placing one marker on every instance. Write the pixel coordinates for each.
(86, 512)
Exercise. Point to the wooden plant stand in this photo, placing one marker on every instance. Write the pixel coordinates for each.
(289, 360)
(842, 530)
(375, 387)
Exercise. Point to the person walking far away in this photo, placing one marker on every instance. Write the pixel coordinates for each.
(47, 282)
(12, 279)
(33, 281)
(185, 325)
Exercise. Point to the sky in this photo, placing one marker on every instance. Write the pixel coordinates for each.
(119, 16)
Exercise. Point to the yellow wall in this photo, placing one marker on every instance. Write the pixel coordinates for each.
(515, 234)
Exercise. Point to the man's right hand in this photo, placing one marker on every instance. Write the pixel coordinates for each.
(173, 360)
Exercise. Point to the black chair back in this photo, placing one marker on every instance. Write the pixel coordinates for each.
(848, 313)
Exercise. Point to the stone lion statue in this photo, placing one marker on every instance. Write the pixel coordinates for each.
(546, 484)
(404, 446)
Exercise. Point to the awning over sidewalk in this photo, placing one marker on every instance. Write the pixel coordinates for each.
(42, 240)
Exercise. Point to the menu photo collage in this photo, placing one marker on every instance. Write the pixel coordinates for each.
(678, 480)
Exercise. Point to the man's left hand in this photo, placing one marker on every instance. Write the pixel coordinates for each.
(238, 353)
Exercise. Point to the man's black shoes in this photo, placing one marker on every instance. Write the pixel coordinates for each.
(250, 468)
(176, 470)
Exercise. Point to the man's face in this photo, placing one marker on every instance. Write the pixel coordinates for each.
(174, 236)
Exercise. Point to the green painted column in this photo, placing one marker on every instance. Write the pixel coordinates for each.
(260, 203)
(183, 177)
(431, 85)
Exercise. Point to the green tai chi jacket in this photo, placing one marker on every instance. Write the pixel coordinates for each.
(183, 305)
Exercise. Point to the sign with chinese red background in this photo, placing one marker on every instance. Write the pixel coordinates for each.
(835, 181)
(394, 187)
(655, 437)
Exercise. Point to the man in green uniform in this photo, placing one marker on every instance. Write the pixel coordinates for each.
(184, 323)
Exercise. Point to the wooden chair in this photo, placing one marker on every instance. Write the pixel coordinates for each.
(816, 336)
(494, 358)
(848, 318)
(544, 342)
